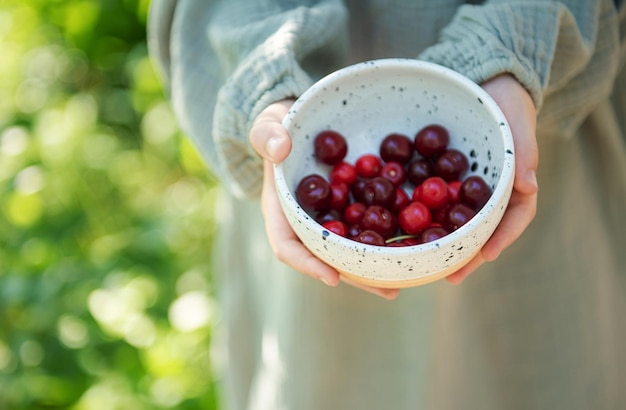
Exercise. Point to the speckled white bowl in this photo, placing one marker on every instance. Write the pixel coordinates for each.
(369, 100)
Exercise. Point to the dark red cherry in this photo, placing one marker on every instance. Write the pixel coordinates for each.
(397, 148)
(457, 216)
(330, 147)
(313, 193)
(474, 192)
(379, 191)
(380, 220)
(418, 170)
(432, 234)
(328, 215)
(340, 195)
(432, 140)
(451, 165)
(370, 238)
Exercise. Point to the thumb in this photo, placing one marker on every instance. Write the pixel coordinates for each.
(520, 112)
(268, 136)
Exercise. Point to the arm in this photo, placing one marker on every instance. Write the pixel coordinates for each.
(564, 54)
(224, 61)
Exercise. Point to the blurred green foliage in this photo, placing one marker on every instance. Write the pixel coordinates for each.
(105, 218)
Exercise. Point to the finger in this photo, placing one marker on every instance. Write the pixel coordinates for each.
(518, 108)
(519, 214)
(268, 136)
(459, 276)
(526, 154)
(389, 294)
(283, 240)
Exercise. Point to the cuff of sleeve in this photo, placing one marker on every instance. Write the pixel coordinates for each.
(478, 46)
(271, 78)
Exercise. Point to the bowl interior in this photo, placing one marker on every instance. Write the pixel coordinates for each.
(370, 100)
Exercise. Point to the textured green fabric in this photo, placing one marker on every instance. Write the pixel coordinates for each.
(543, 327)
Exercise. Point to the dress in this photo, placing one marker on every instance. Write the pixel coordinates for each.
(543, 327)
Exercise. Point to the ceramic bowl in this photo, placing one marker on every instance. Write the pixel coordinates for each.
(366, 102)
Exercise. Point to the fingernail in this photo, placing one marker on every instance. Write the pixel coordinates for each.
(325, 281)
(271, 146)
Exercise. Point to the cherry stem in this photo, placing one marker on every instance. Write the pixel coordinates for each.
(400, 238)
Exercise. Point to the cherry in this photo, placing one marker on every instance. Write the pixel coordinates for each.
(397, 148)
(357, 189)
(330, 147)
(328, 215)
(379, 191)
(343, 172)
(371, 200)
(340, 195)
(313, 193)
(380, 220)
(414, 217)
(432, 140)
(451, 165)
(454, 188)
(475, 192)
(418, 170)
(354, 213)
(370, 238)
(434, 193)
(410, 241)
(432, 234)
(394, 172)
(354, 230)
(402, 199)
(368, 165)
(457, 216)
(337, 227)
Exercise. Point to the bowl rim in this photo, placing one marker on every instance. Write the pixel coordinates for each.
(380, 65)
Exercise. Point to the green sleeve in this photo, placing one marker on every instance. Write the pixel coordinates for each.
(226, 60)
(565, 53)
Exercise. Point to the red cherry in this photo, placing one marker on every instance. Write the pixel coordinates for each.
(368, 165)
(354, 213)
(343, 172)
(337, 227)
(434, 193)
(414, 217)
(330, 147)
(394, 172)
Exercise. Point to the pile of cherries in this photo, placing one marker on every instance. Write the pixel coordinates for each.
(415, 191)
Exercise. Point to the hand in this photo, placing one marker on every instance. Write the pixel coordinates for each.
(519, 110)
(272, 141)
